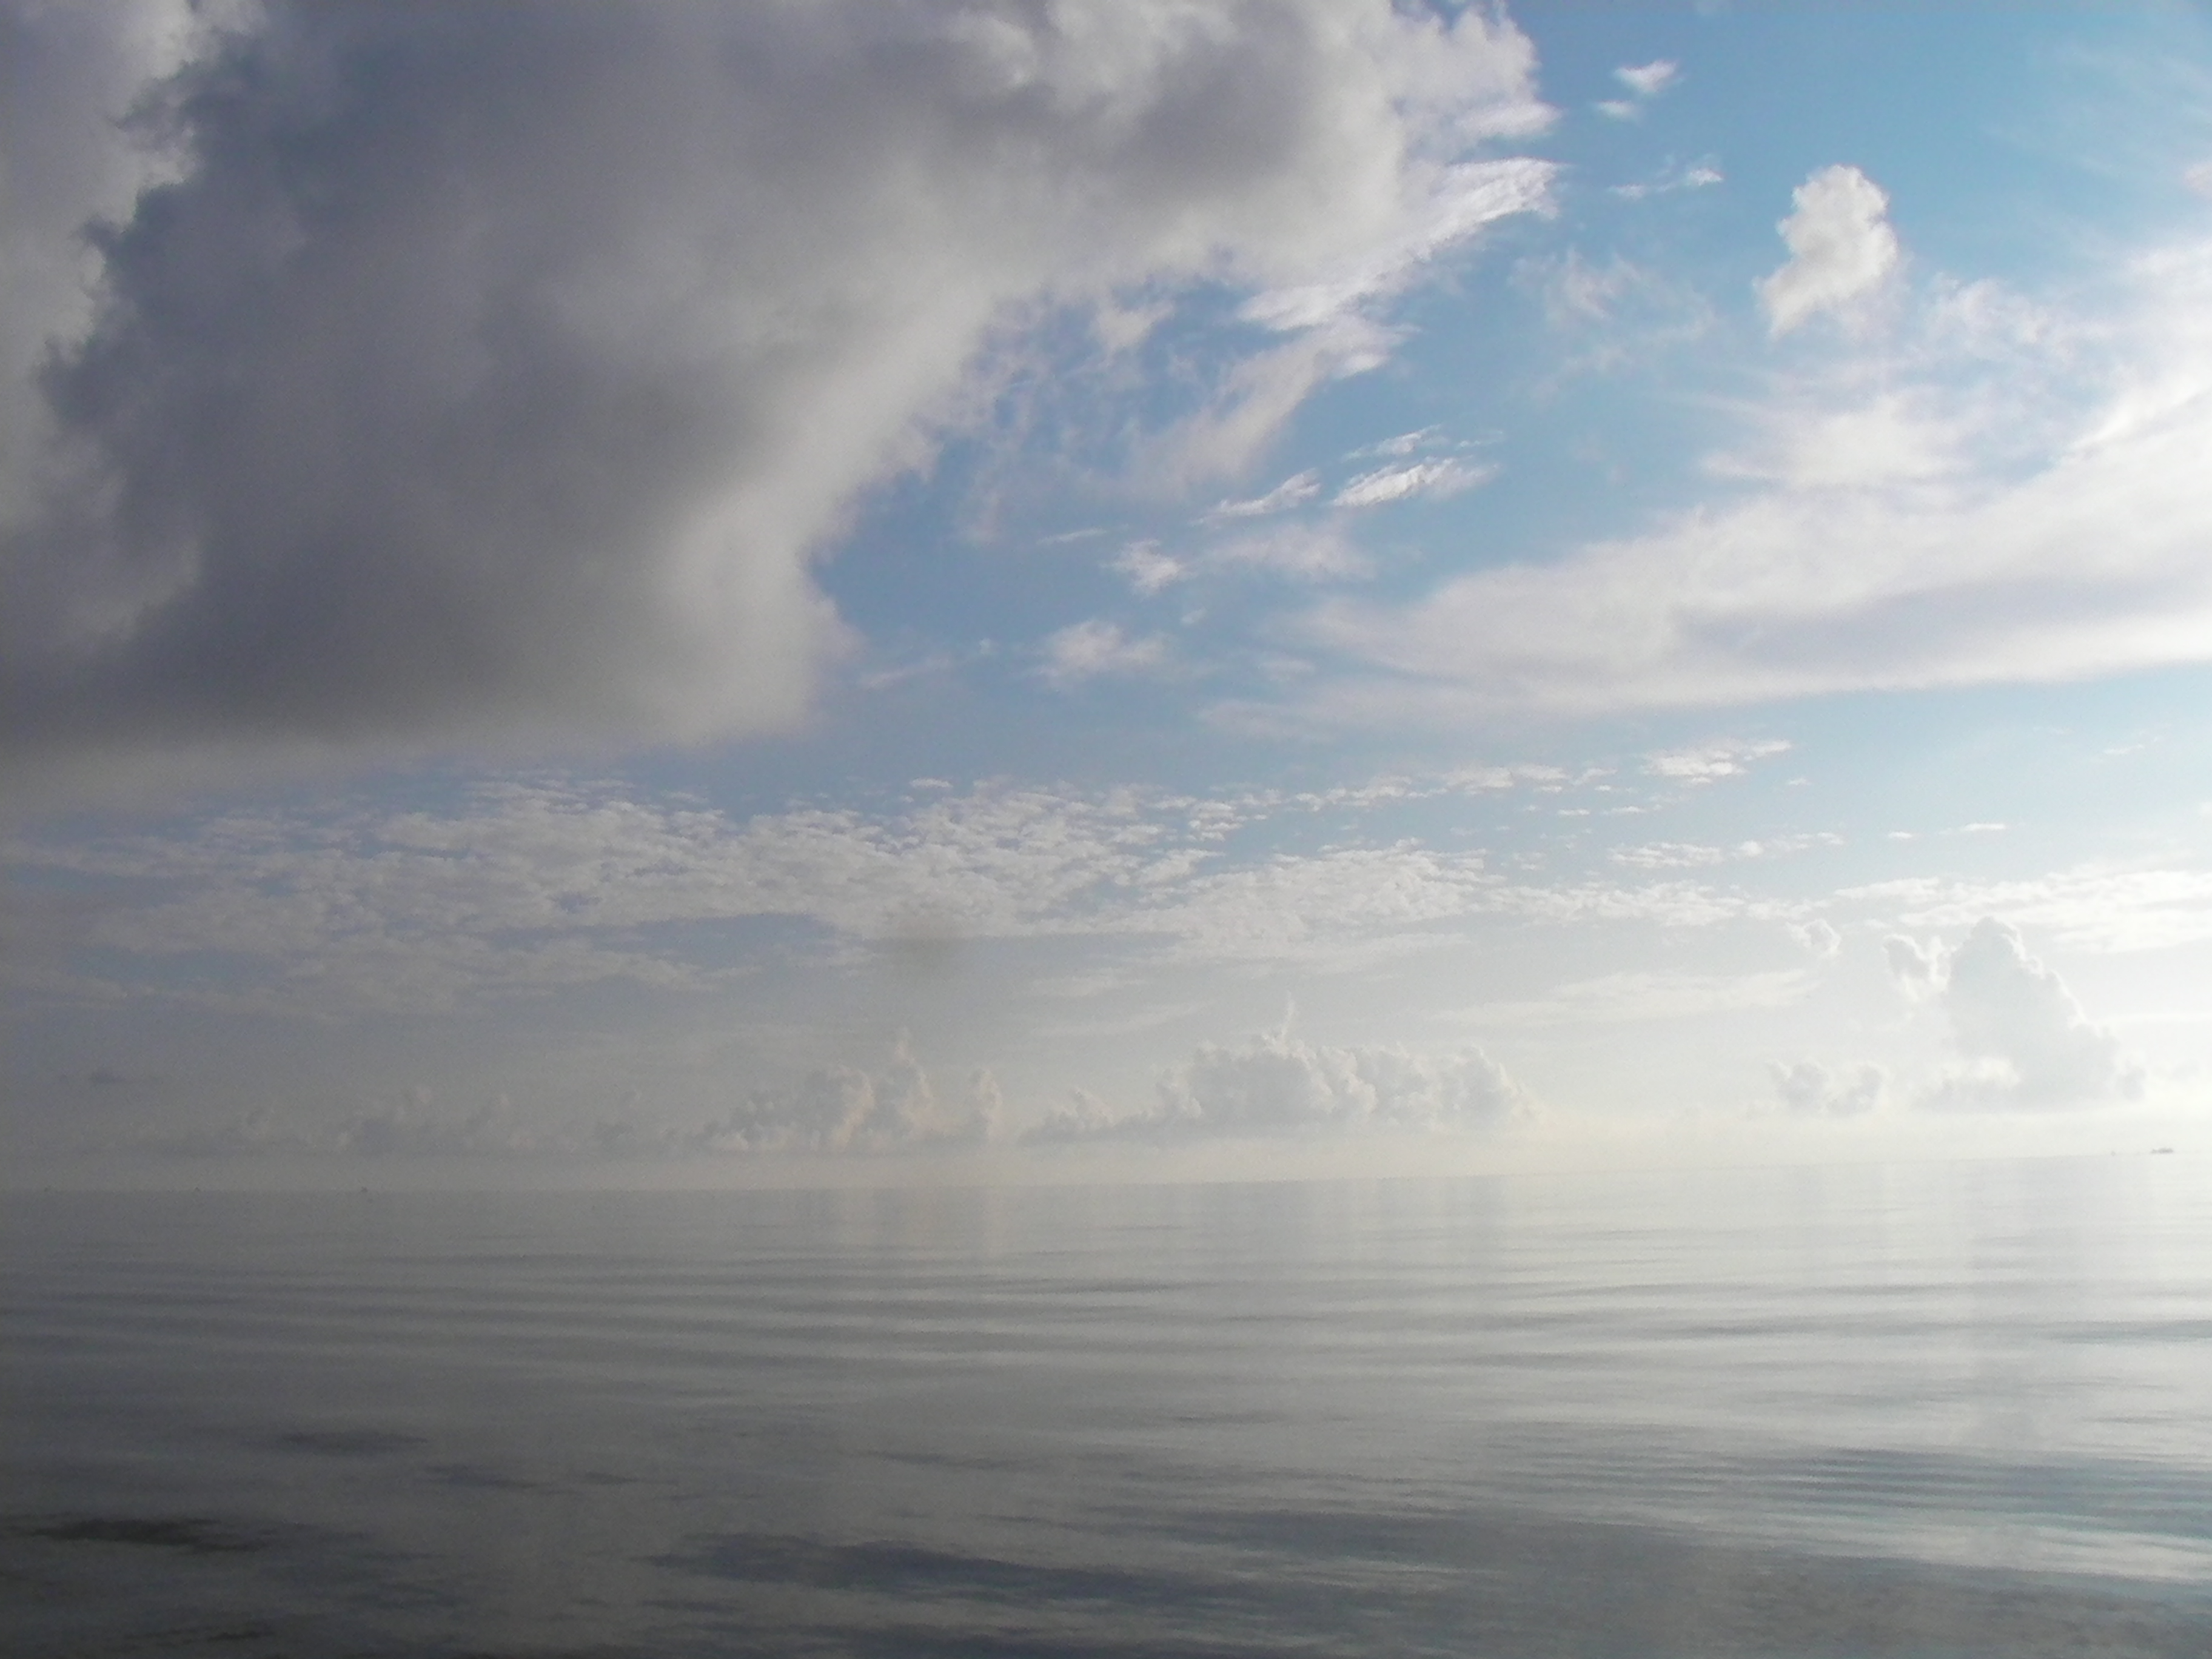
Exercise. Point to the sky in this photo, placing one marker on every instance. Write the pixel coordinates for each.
(874, 591)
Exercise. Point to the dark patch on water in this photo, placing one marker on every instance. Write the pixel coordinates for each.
(235, 1634)
(190, 1535)
(350, 1443)
(903, 1569)
(993, 1605)
(911, 1641)
(477, 1475)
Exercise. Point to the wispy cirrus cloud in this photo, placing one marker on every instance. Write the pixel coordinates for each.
(1291, 492)
(1926, 532)
(1436, 480)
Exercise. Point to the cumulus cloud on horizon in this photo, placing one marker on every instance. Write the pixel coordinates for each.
(437, 375)
(1275, 1085)
(847, 1110)
(2026, 1039)
(2023, 1040)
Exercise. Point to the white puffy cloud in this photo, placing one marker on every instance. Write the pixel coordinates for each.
(1275, 1085)
(2025, 1038)
(1818, 936)
(1917, 965)
(843, 1108)
(1841, 248)
(496, 373)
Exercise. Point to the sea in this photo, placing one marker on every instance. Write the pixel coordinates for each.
(1939, 1409)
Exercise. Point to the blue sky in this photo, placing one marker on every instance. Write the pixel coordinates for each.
(715, 595)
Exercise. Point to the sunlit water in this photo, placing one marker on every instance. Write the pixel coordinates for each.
(1940, 1410)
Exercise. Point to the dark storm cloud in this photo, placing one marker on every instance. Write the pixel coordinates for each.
(494, 372)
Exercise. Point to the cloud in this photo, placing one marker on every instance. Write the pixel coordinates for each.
(1807, 1086)
(1147, 569)
(2025, 1038)
(1275, 1085)
(1729, 757)
(2097, 907)
(1689, 855)
(1648, 80)
(456, 375)
(843, 1110)
(1291, 492)
(1886, 440)
(76, 72)
(1841, 247)
(1915, 965)
(1430, 480)
(1405, 443)
(1645, 82)
(833, 1111)
(1462, 200)
(1696, 175)
(1819, 938)
(415, 1127)
(1303, 552)
(1085, 650)
(1615, 999)
(1934, 533)
(520, 892)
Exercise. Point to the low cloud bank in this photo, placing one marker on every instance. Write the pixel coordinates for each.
(840, 1108)
(1276, 1085)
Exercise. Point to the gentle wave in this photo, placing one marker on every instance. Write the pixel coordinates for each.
(1944, 1411)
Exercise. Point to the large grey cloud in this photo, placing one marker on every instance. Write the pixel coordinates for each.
(475, 371)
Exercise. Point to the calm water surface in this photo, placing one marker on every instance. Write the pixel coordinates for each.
(1933, 1410)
